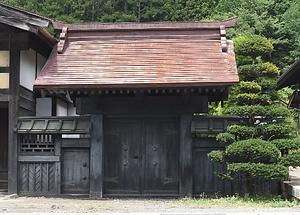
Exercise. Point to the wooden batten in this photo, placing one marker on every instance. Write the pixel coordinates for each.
(63, 38)
(223, 38)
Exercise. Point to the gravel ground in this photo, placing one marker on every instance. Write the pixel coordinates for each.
(69, 205)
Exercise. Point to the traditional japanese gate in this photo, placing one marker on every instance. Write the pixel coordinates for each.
(141, 156)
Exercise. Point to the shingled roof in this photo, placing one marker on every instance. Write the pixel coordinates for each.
(140, 56)
(16, 18)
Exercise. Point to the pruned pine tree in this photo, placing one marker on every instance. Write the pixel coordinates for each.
(263, 145)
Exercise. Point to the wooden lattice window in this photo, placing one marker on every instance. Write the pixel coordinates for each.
(37, 143)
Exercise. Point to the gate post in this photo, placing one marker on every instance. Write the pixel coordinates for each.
(186, 158)
(96, 157)
(13, 112)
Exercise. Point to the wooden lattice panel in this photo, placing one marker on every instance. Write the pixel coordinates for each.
(37, 177)
(37, 143)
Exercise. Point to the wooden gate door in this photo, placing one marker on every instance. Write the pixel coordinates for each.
(141, 156)
(75, 171)
(161, 156)
(122, 155)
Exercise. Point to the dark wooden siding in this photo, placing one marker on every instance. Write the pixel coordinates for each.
(3, 138)
(205, 180)
(27, 102)
(142, 104)
(3, 147)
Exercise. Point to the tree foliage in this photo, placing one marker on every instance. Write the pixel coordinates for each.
(253, 45)
(260, 146)
(276, 19)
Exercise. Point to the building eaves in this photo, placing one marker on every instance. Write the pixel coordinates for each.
(27, 21)
(290, 77)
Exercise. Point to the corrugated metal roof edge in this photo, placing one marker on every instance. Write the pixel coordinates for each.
(144, 26)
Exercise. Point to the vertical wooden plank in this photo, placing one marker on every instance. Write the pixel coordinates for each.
(122, 156)
(96, 157)
(57, 141)
(186, 158)
(14, 83)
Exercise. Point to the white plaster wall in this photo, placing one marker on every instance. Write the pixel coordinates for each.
(41, 61)
(61, 108)
(27, 68)
(4, 58)
(43, 106)
(71, 112)
(4, 62)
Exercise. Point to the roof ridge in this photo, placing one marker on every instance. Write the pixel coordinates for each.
(144, 25)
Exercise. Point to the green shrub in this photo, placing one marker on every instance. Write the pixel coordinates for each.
(290, 160)
(253, 150)
(273, 130)
(260, 170)
(269, 70)
(247, 110)
(274, 111)
(247, 98)
(249, 87)
(267, 83)
(226, 138)
(216, 156)
(287, 144)
(241, 131)
(248, 72)
(252, 45)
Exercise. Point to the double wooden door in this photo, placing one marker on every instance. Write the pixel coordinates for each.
(141, 156)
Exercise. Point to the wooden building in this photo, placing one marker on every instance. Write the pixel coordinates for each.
(112, 113)
(24, 48)
(289, 78)
(140, 84)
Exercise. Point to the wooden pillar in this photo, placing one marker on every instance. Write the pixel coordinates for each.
(13, 112)
(96, 157)
(57, 179)
(186, 156)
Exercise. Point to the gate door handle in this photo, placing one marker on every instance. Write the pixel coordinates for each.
(84, 178)
(135, 156)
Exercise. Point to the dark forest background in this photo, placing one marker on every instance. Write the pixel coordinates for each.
(277, 20)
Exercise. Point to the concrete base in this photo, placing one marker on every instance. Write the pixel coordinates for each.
(291, 188)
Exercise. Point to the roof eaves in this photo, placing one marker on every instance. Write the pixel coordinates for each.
(284, 79)
(24, 11)
(22, 19)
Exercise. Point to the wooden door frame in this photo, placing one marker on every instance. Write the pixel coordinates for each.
(185, 145)
(140, 146)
